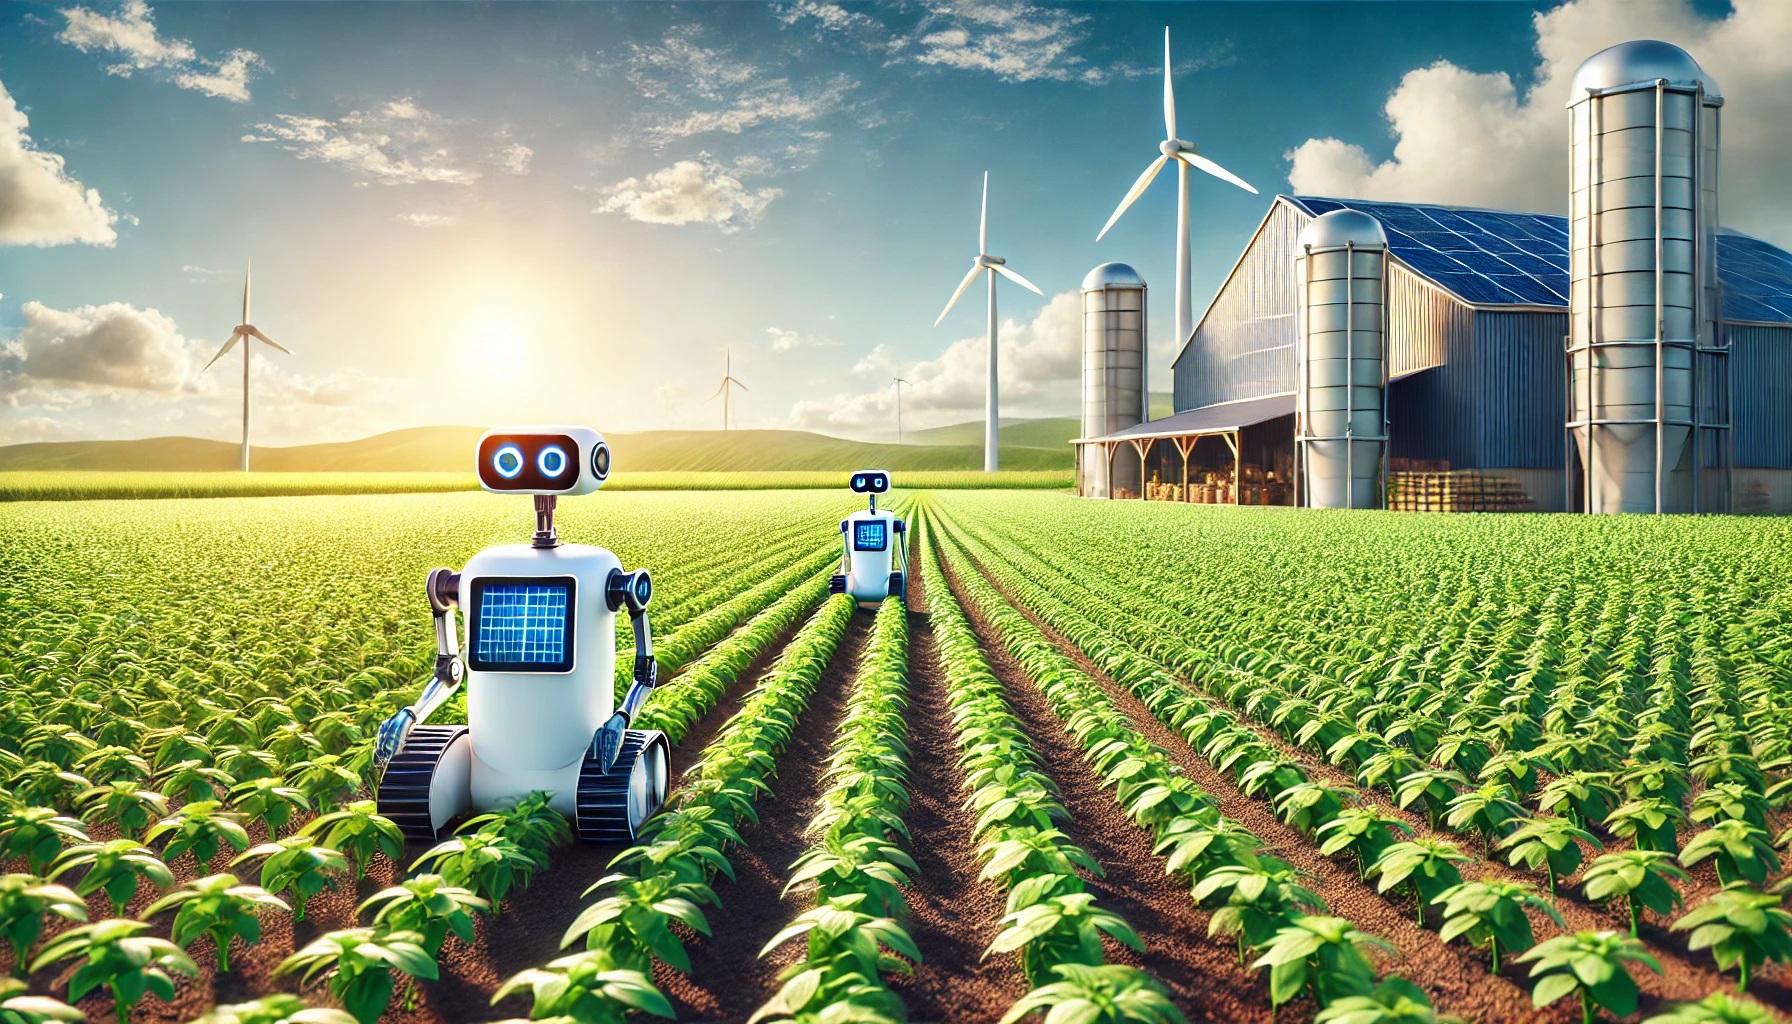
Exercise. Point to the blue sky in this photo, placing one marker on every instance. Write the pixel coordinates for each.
(476, 213)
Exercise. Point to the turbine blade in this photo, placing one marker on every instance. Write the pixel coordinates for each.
(719, 389)
(263, 337)
(246, 270)
(738, 384)
(1017, 279)
(1169, 91)
(234, 338)
(983, 222)
(1200, 162)
(1138, 189)
(962, 285)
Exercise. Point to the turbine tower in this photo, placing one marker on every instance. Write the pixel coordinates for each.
(992, 265)
(898, 385)
(727, 381)
(243, 333)
(1185, 155)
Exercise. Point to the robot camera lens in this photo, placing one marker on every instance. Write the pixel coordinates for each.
(600, 461)
(858, 483)
(551, 461)
(508, 461)
(643, 587)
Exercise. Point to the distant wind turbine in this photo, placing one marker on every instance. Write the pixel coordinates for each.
(727, 381)
(245, 331)
(898, 385)
(1184, 154)
(994, 265)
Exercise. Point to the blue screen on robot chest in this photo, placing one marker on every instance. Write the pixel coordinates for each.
(524, 626)
(869, 536)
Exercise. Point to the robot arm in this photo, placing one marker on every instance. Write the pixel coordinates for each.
(633, 589)
(901, 546)
(444, 589)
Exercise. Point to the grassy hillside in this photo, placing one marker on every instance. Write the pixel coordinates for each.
(1054, 432)
(448, 449)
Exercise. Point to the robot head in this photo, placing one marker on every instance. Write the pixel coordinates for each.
(543, 460)
(870, 481)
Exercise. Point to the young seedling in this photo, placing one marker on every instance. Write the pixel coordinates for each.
(218, 906)
(1590, 965)
(116, 866)
(295, 865)
(118, 955)
(26, 905)
(357, 831)
(1642, 878)
(1492, 915)
(1742, 928)
(358, 965)
(199, 828)
(39, 835)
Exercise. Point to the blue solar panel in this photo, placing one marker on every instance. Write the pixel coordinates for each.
(1508, 258)
(522, 624)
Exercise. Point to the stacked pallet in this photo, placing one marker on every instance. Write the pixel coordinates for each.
(1459, 491)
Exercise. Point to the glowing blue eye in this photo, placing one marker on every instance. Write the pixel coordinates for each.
(508, 461)
(551, 461)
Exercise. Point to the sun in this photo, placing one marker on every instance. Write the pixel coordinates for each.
(498, 346)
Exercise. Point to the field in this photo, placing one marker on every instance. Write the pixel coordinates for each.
(1112, 761)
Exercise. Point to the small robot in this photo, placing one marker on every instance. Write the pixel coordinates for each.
(540, 667)
(876, 547)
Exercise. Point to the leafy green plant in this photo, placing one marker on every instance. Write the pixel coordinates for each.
(43, 784)
(1063, 929)
(1363, 832)
(1742, 928)
(193, 781)
(296, 865)
(531, 822)
(1716, 1008)
(116, 866)
(1590, 965)
(26, 904)
(1426, 866)
(1552, 844)
(1308, 806)
(124, 803)
(1262, 896)
(358, 964)
(218, 906)
(1655, 778)
(588, 988)
(324, 780)
(866, 865)
(1489, 810)
(1648, 822)
(269, 801)
(119, 956)
(1583, 797)
(1394, 1001)
(1109, 994)
(1321, 956)
(1730, 801)
(113, 763)
(39, 835)
(1642, 878)
(487, 863)
(1492, 915)
(846, 950)
(1739, 850)
(358, 831)
(278, 1008)
(1433, 789)
(17, 1007)
(427, 905)
(199, 828)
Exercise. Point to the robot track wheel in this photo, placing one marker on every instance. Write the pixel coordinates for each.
(611, 807)
(408, 785)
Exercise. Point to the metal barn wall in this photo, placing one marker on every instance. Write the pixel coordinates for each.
(1761, 395)
(1244, 346)
(1518, 396)
(1427, 418)
(1415, 308)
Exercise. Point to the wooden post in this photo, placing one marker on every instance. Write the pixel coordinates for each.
(1107, 457)
(1185, 445)
(1237, 467)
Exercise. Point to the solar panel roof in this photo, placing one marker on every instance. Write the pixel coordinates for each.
(1496, 257)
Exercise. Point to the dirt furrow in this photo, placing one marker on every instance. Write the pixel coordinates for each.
(728, 980)
(954, 916)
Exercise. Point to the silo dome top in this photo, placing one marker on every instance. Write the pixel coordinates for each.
(1639, 62)
(1112, 275)
(1342, 227)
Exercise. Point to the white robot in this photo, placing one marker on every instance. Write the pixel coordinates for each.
(540, 667)
(876, 546)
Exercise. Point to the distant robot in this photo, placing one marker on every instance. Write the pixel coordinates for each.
(876, 546)
(540, 670)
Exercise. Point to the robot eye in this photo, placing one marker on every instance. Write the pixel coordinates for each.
(508, 461)
(858, 483)
(551, 461)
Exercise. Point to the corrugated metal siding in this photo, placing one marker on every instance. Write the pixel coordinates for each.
(1761, 395)
(1518, 396)
(1244, 345)
(1427, 419)
(1414, 309)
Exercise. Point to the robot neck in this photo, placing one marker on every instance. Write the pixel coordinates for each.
(874, 503)
(544, 523)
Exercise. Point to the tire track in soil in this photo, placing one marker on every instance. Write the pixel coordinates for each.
(728, 981)
(953, 915)
(1688, 976)
(1204, 978)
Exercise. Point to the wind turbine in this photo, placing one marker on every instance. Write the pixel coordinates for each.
(898, 385)
(727, 379)
(1185, 155)
(245, 331)
(993, 265)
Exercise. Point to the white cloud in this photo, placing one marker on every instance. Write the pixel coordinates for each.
(689, 192)
(516, 158)
(774, 102)
(1474, 138)
(1016, 42)
(39, 203)
(115, 345)
(131, 36)
(1041, 361)
(786, 340)
(397, 143)
(421, 219)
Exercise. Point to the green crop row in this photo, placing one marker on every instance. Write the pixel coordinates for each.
(666, 877)
(856, 870)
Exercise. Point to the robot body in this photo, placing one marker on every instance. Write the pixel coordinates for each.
(539, 667)
(876, 546)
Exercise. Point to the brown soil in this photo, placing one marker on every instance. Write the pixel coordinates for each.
(1686, 975)
(953, 915)
(729, 980)
(1204, 977)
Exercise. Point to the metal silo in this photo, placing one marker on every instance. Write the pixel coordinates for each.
(1643, 275)
(1341, 360)
(1114, 380)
